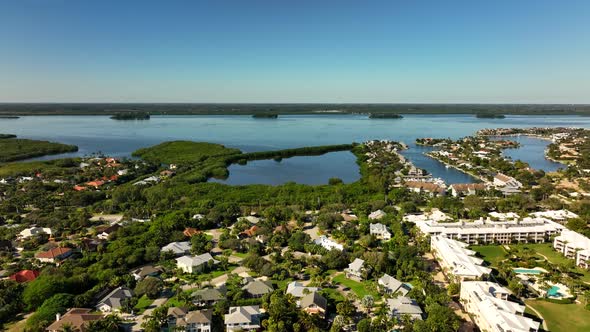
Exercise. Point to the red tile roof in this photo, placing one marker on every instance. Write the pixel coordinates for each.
(53, 253)
(25, 276)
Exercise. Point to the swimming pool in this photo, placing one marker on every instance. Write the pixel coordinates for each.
(527, 271)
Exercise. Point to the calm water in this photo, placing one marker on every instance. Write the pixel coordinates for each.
(529, 151)
(120, 138)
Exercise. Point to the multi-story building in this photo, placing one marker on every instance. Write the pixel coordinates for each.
(574, 246)
(456, 260)
(488, 304)
(527, 230)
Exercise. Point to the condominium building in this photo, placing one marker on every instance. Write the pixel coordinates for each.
(574, 246)
(456, 260)
(488, 304)
(528, 230)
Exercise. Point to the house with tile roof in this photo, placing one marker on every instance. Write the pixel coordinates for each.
(177, 248)
(314, 304)
(76, 318)
(55, 255)
(257, 288)
(24, 276)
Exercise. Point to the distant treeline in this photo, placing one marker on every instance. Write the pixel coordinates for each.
(385, 116)
(12, 149)
(249, 109)
(287, 153)
(265, 116)
(3, 136)
(489, 116)
(9, 117)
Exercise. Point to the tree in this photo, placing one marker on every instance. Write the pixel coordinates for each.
(364, 325)
(155, 321)
(200, 244)
(345, 308)
(45, 314)
(367, 302)
(107, 324)
(150, 286)
(453, 289)
(282, 312)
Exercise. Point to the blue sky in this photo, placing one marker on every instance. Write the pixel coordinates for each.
(295, 51)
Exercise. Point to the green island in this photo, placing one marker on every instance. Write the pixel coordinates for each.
(156, 231)
(9, 117)
(131, 115)
(385, 116)
(490, 116)
(14, 149)
(265, 116)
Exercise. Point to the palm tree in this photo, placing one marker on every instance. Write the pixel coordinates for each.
(367, 302)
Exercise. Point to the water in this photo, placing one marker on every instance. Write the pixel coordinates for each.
(529, 151)
(120, 138)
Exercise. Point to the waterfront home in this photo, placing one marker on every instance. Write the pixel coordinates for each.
(430, 188)
(243, 318)
(575, 246)
(465, 189)
(177, 248)
(114, 300)
(55, 255)
(390, 285)
(328, 244)
(502, 180)
(456, 261)
(146, 271)
(355, 269)
(192, 264)
(314, 304)
(379, 231)
(376, 215)
(402, 306)
(257, 288)
(488, 304)
(527, 230)
(77, 319)
(34, 231)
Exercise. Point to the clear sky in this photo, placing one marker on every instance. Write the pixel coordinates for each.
(515, 51)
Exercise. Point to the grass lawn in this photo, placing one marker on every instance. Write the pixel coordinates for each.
(359, 288)
(492, 254)
(333, 295)
(240, 254)
(563, 317)
(546, 250)
(143, 303)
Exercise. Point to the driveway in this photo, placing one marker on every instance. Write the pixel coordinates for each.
(140, 318)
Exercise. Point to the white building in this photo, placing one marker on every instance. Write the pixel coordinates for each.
(456, 260)
(242, 318)
(574, 246)
(177, 248)
(327, 243)
(390, 285)
(527, 230)
(298, 291)
(556, 215)
(375, 215)
(191, 264)
(488, 304)
(380, 231)
(504, 216)
(355, 269)
(33, 231)
(502, 180)
(434, 215)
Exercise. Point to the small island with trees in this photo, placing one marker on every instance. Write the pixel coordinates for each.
(131, 116)
(265, 116)
(385, 116)
(489, 116)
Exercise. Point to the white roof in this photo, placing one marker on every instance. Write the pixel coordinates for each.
(457, 258)
(555, 214)
(377, 214)
(377, 228)
(195, 260)
(298, 290)
(392, 284)
(28, 232)
(488, 226)
(178, 247)
(574, 239)
(505, 315)
(356, 265)
(241, 315)
(504, 216)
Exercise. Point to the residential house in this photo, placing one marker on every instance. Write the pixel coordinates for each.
(314, 304)
(54, 255)
(244, 318)
(177, 248)
(258, 288)
(34, 231)
(390, 285)
(192, 264)
(376, 215)
(506, 184)
(24, 276)
(297, 290)
(401, 306)
(250, 232)
(76, 318)
(465, 189)
(328, 244)
(208, 296)
(103, 233)
(146, 271)
(114, 300)
(380, 231)
(174, 315)
(196, 321)
(355, 269)
(430, 188)
(488, 305)
(190, 232)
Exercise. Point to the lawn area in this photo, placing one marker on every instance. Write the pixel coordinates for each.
(359, 288)
(546, 250)
(563, 317)
(143, 303)
(492, 254)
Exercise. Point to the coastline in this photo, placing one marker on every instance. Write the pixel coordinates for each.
(457, 168)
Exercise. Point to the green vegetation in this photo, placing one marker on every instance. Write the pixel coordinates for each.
(183, 152)
(492, 254)
(265, 116)
(385, 116)
(13, 149)
(563, 317)
(361, 289)
(143, 303)
(49, 167)
(2, 136)
(131, 116)
(9, 117)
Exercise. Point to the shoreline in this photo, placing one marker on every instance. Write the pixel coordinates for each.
(457, 168)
